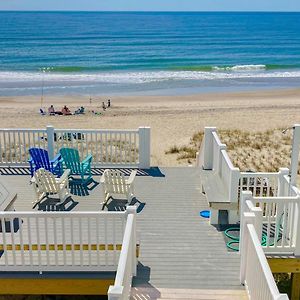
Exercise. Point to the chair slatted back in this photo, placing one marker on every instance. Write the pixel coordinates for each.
(45, 181)
(40, 158)
(115, 182)
(71, 160)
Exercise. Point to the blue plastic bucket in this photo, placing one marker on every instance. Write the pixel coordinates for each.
(205, 214)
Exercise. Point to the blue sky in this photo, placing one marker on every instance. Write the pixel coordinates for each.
(153, 5)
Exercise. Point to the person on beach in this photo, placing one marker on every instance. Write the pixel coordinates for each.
(65, 111)
(79, 111)
(51, 110)
(108, 103)
(103, 106)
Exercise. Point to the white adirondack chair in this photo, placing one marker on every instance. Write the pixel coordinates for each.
(45, 184)
(114, 183)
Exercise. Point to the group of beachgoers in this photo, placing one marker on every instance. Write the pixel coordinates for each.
(65, 111)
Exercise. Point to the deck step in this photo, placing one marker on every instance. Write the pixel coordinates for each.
(185, 294)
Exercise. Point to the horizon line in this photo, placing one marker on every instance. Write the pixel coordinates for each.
(155, 11)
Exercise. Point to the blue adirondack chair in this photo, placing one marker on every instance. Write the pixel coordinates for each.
(39, 158)
(71, 160)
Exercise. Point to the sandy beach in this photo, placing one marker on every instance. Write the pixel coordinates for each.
(173, 119)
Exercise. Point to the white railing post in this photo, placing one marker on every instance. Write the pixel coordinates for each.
(132, 210)
(295, 154)
(281, 182)
(115, 292)
(245, 195)
(208, 148)
(235, 175)
(144, 147)
(258, 221)
(248, 218)
(50, 141)
(297, 220)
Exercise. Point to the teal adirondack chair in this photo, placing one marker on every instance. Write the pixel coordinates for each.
(71, 160)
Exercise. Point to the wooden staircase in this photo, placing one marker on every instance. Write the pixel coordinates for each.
(152, 293)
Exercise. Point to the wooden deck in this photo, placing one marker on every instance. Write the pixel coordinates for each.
(178, 248)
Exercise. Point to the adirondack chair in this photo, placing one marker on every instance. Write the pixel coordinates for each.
(114, 183)
(71, 160)
(39, 158)
(45, 184)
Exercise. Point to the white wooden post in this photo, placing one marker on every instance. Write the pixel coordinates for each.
(132, 210)
(245, 195)
(208, 148)
(295, 154)
(235, 175)
(284, 189)
(258, 221)
(50, 141)
(115, 292)
(281, 182)
(144, 147)
(248, 218)
(297, 217)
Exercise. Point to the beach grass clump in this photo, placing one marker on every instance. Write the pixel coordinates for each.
(263, 151)
(173, 150)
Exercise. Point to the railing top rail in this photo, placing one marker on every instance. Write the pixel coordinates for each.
(22, 129)
(60, 214)
(217, 139)
(276, 199)
(125, 251)
(259, 174)
(69, 130)
(97, 130)
(228, 160)
(263, 261)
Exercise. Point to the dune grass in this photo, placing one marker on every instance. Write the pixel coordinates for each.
(264, 151)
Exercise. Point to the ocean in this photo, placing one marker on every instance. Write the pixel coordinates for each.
(94, 53)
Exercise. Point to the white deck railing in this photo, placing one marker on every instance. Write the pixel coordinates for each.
(61, 241)
(255, 272)
(277, 222)
(110, 148)
(127, 262)
(215, 158)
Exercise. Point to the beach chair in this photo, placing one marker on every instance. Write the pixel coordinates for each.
(71, 160)
(79, 111)
(39, 158)
(114, 183)
(46, 184)
(42, 112)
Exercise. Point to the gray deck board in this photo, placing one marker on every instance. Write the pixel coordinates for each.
(178, 248)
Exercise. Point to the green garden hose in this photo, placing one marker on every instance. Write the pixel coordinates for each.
(235, 240)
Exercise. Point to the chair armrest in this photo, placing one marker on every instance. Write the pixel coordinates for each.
(88, 159)
(56, 159)
(86, 167)
(32, 180)
(64, 176)
(102, 179)
(30, 160)
(131, 177)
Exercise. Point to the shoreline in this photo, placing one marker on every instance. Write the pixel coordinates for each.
(173, 119)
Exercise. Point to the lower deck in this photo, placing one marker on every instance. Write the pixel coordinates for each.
(178, 248)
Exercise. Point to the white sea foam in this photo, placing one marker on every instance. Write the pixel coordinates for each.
(144, 77)
(240, 68)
